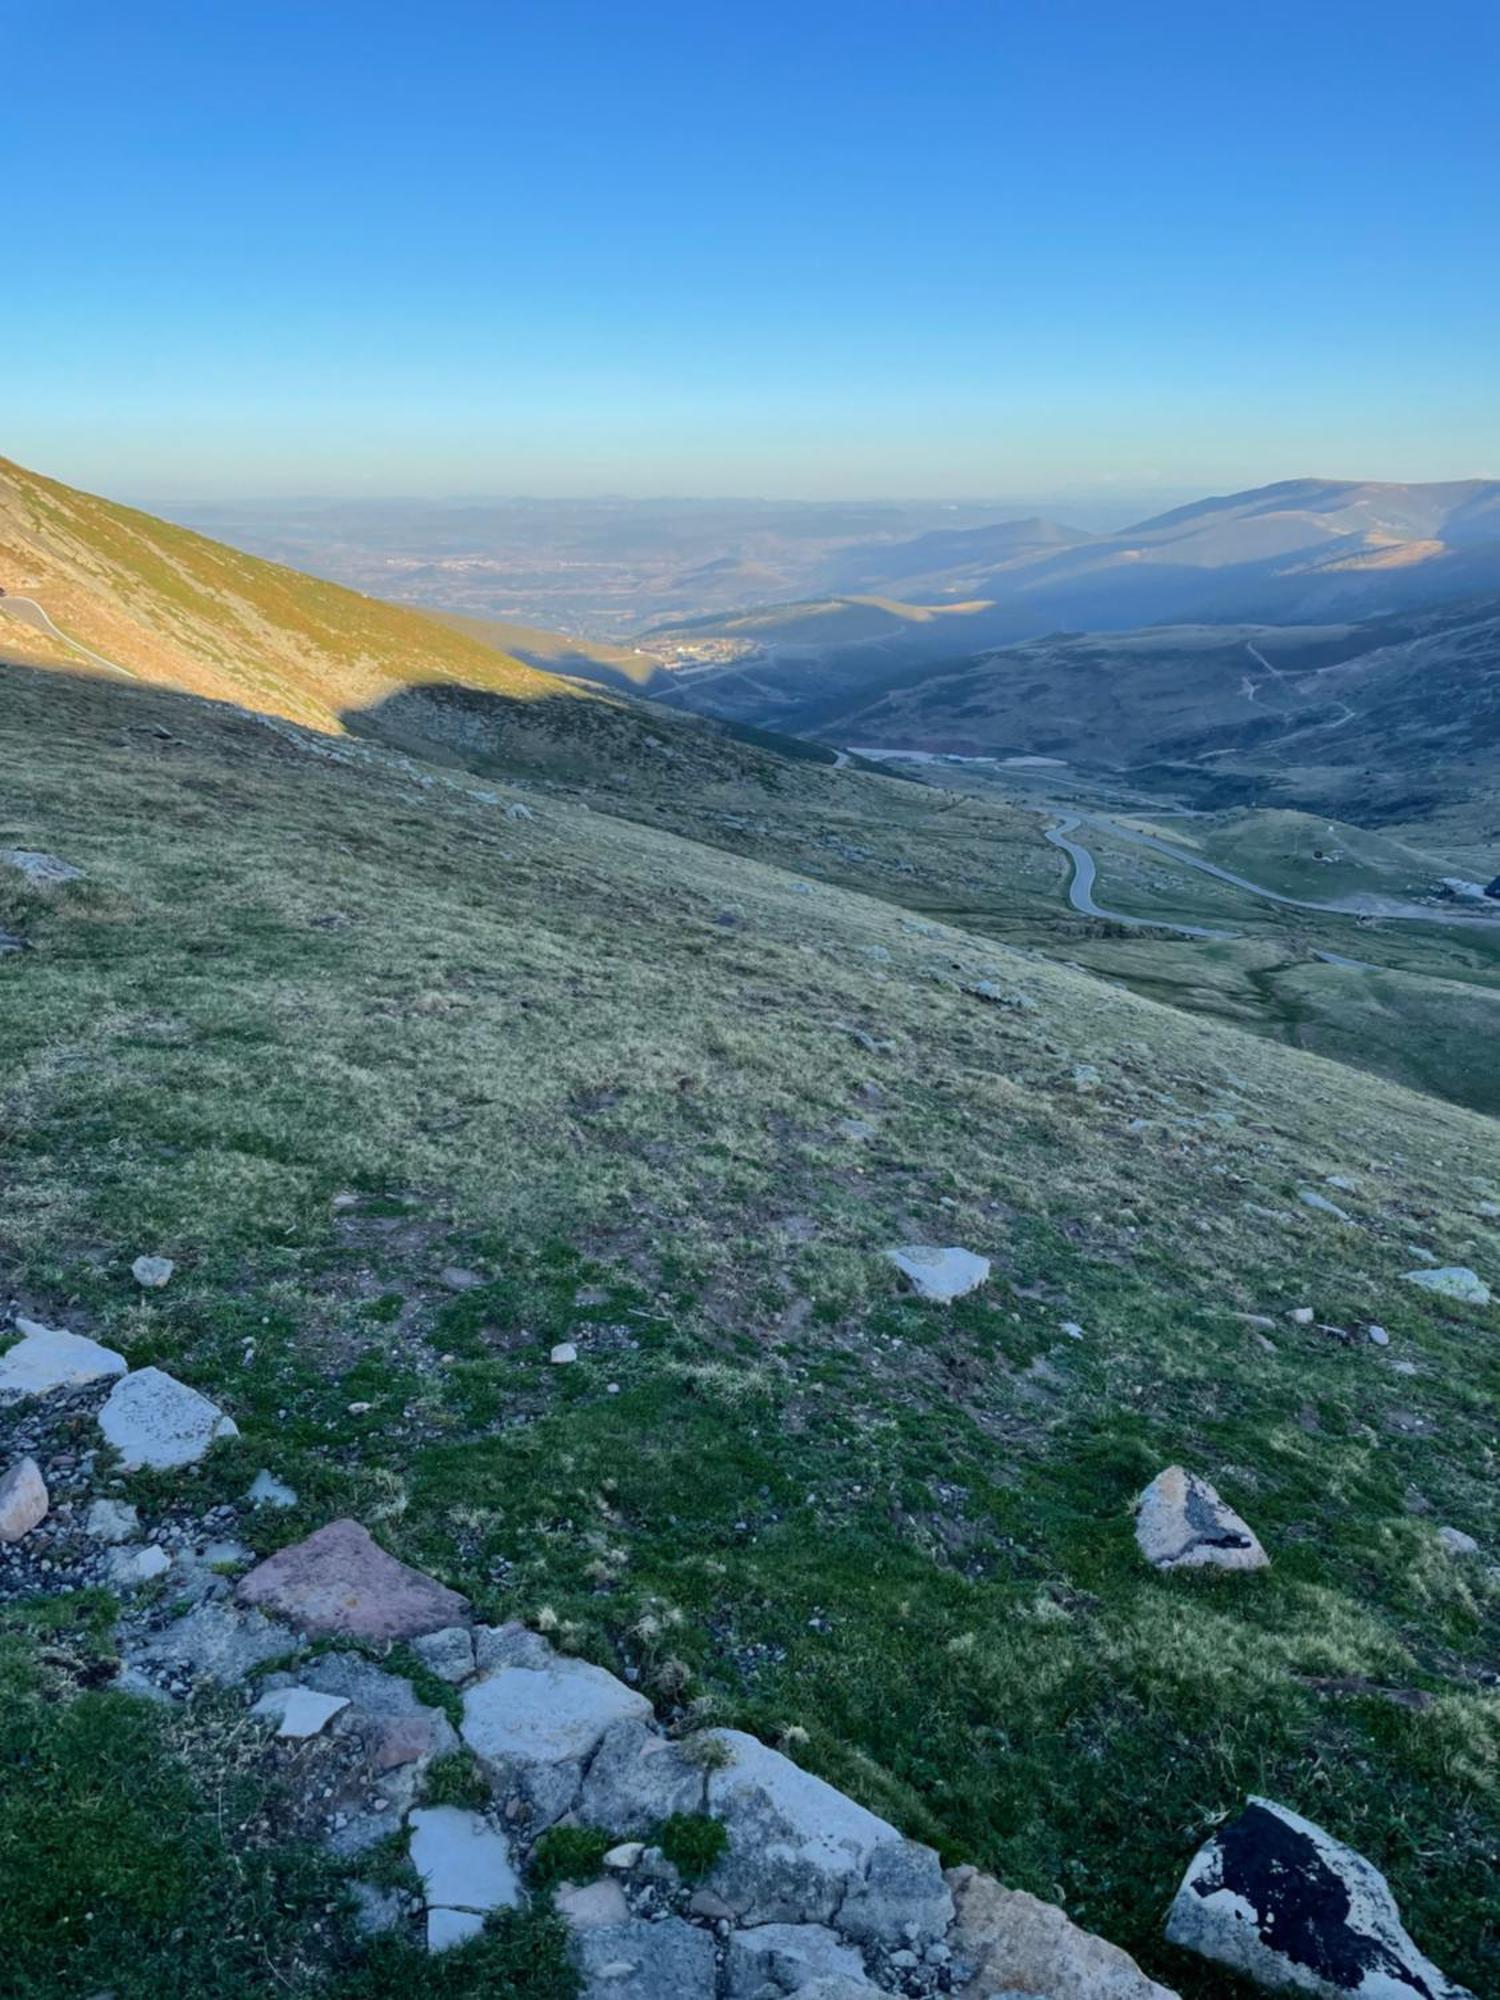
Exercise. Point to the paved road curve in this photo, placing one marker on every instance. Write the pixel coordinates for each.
(31, 613)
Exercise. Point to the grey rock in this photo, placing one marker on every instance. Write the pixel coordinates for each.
(48, 1358)
(1452, 1281)
(112, 1521)
(535, 1727)
(1457, 1543)
(939, 1274)
(212, 1643)
(153, 1419)
(901, 1899)
(796, 1846)
(397, 1727)
(23, 1500)
(377, 1911)
(448, 1653)
(1310, 1198)
(1274, 1897)
(772, 1959)
(43, 869)
(152, 1272)
(516, 810)
(637, 1779)
(670, 1960)
(591, 1904)
(464, 1861)
(299, 1711)
(510, 1645)
(1181, 1523)
(447, 1928)
(128, 1569)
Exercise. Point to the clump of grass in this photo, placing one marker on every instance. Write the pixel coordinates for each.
(568, 1854)
(692, 1842)
(456, 1780)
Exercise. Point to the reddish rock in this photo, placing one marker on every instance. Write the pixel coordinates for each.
(341, 1582)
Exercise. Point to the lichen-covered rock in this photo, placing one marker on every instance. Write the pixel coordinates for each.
(796, 1846)
(772, 1959)
(1452, 1281)
(643, 1961)
(637, 1779)
(1276, 1898)
(1012, 1942)
(941, 1275)
(448, 1653)
(340, 1582)
(1181, 1523)
(535, 1727)
(210, 1643)
(153, 1419)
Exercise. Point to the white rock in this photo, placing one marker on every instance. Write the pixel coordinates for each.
(266, 1490)
(588, 1905)
(129, 1568)
(112, 1521)
(48, 1357)
(152, 1272)
(23, 1500)
(939, 1274)
(153, 1419)
(1310, 1198)
(1378, 1335)
(463, 1861)
(556, 1714)
(1276, 1898)
(1452, 1281)
(624, 1857)
(1301, 1315)
(563, 1353)
(1072, 1329)
(300, 1711)
(446, 1928)
(1181, 1523)
(1457, 1543)
(515, 810)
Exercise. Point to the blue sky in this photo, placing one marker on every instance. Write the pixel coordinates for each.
(969, 247)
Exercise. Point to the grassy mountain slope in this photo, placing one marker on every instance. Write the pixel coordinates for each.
(576, 1052)
(557, 652)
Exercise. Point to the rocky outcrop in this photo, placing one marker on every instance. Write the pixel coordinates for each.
(1009, 1942)
(1274, 1897)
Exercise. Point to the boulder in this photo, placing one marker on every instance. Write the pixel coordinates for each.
(153, 1419)
(796, 1846)
(1275, 1898)
(23, 1500)
(48, 1358)
(535, 1727)
(339, 1581)
(1181, 1523)
(773, 1959)
(1451, 1281)
(1012, 1942)
(937, 1274)
(902, 1898)
(670, 1960)
(637, 1779)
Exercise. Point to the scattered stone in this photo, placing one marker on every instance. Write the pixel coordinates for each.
(1086, 1077)
(796, 1846)
(152, 1272)
(339, 1581)
(772, 1959)
(624, 1857)
(1422, 1255)
(1018, 1945)
(1072, 1329)
(1343, 1182)
(153, 1419)
(454, 1278)
(1452, 1281)
(23, 1500)
(45, 869)
(646, 1961)
(130, 1568)
(1378, 1336)
(937, 1274)
(300, 1711)
(516, 810)
(448, 1653)
(563, 1353)
(48, 1358)
(112, 1521)
(1181, 1523)
(1276, 1898)
(266, 1490)
(591, 1905)
(637, 1779)
(1457, 1543)
(1310, 1198)
(463, 1861)
(535, 1727)
(1301, 1315)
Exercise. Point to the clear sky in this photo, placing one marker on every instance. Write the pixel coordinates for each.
(836, 247)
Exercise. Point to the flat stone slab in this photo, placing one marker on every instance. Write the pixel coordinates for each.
(787, 1958)
(340, 1582)
(1181, 1523)
(1274, 1897)
(463, 1861)
(300, 1711)
(1017, 1944)
(447, 1928)
(153, 1419)
(535, 1726)
(644, 1961)
(795, 1844)
(37, 867)
(941, 1275)
(48, 1358)
(1451, 1281)
(23, 1500)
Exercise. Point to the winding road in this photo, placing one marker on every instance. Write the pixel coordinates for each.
(31, 613)
(1081, 887)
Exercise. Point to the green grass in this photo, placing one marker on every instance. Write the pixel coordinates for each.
(894, 1539)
